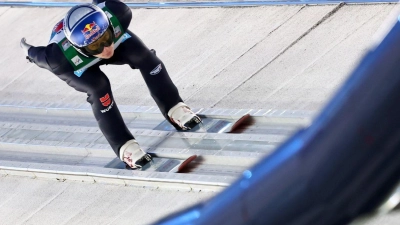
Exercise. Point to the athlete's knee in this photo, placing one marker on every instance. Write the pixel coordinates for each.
(100, 90)
(101, 84)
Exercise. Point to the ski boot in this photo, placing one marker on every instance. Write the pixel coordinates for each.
(133, 155)
(183, 117)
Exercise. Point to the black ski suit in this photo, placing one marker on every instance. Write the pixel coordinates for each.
(97, 86)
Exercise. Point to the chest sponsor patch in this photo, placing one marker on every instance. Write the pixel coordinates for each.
(108, 14)
(117, 31)
(76, 60)
(65, 45)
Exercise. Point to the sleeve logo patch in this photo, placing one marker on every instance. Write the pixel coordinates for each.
(105, 100)
(156, 70)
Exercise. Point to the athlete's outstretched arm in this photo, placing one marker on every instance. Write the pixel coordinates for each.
(56, 64)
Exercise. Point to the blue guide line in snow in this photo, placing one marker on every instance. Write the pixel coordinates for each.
(196, 4)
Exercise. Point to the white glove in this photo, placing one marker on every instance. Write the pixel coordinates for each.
(25, 47)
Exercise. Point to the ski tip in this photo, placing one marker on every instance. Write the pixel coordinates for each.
(239, 122)
(187, 161)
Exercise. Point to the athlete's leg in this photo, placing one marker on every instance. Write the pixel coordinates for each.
(138, 56)
(97, 86)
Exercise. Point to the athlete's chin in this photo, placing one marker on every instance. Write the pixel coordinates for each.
(106, 55)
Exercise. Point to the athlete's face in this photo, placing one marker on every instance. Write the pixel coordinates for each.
(107, 53)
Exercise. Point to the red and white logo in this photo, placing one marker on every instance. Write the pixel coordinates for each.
(58, 27)
(90, 29)
(106, 100)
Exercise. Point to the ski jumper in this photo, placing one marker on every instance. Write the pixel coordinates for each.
(84, 75)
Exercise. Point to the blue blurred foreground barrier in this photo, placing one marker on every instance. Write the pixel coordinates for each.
(344, 165)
